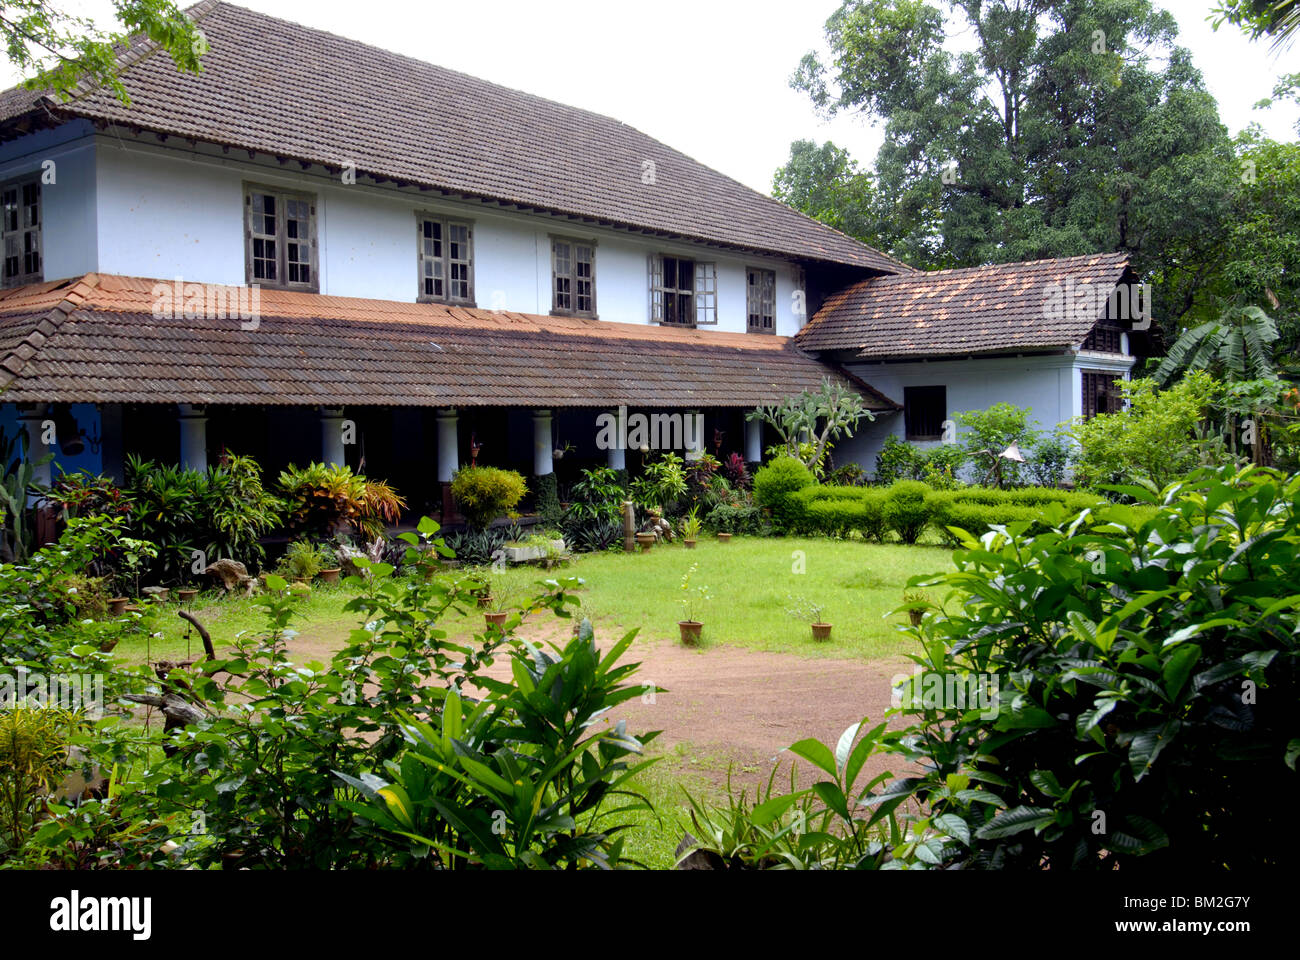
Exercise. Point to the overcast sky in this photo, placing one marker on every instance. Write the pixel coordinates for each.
(708, 77)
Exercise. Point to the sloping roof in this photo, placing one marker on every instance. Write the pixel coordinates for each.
(284, 89)
(956, 312)
(96, 339)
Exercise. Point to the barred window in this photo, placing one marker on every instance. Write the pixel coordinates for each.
(1100, 393)
(573, 277)
(20, 205)
(280, 231)
(683, 292)
(924, 411)
(446, 260)
(1104, 339)
(761, 300)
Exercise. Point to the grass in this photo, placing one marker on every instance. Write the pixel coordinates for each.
(752, 583)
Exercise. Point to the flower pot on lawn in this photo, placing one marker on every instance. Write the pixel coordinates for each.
(331, 575)
(497, 620)
(107, 645)
(690, 631)
(689, 544)
(724, 537)
(821, 631)
(117, 605)
(916, 616)
(187, 594)
(158, 593)
(646, 541)
(484, 601)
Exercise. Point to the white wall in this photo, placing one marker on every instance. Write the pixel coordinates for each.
(1051, 386)
(166, 212)
(68, 237)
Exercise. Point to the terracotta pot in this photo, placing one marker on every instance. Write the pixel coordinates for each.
(106, 646)
(821, 631)
(724, 537)
(186, 595)
(916, 616)
(690, 544)
(484, 602)
(331, 575)
(646, 540)
(117, 605)
(160, 594)
(496, 620)
(133, 608)
(690, 631)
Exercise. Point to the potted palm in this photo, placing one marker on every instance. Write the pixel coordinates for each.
(691, 528)
(692, 601)
(301, 562)
(812, 613)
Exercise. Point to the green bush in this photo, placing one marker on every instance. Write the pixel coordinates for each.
(485, 493)
(835, 511)
(773, 485)
(1148, 667)
(731, 519)
(905, 509)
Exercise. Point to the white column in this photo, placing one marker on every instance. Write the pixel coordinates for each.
(36, 418)
(693, 434)
(193, 422)
(542, 458)
(448, 449)
(617, 455)
(331, 437)
(754, 441)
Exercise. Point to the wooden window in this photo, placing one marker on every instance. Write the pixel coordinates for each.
(924, 411)
(446, 260)
(1104, 339)
(573, 277)
(760, 300)
(20, 205)
(1100, 394)
(683, 292)
(280, 230)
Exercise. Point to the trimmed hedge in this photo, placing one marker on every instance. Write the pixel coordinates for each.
(773, 485)
(908, 508)
(727, 519)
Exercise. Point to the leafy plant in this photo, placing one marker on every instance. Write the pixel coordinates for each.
(823, 415)
(324, 500)
(693, 598)
(905, 509)
(774, 484)
(485, 493)
(691, 525)
(990, 432)
(807, 611)
(662, 484)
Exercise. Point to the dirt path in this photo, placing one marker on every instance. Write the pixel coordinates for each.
(726, 706)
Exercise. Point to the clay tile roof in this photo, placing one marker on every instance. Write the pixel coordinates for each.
(99, 339)
(955, 312)
(287, 90)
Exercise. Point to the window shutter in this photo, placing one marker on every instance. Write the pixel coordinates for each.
(706, 294)
(656, 267)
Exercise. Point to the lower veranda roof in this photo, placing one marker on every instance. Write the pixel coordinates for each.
(99, 339)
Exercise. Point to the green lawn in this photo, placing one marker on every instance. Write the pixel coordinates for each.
(751, 582)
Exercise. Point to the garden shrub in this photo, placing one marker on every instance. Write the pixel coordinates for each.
(899, 460)
(485, 493)
(321, 500)
(905, 510)
(1149, 667)
(833, 511)
(773, 485)
(725, 518)
(547, 489)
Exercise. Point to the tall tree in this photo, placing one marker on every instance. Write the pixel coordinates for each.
(1279, 19)
(58, 49)
(1074, 126)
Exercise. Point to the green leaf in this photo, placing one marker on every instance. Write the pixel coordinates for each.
(1178, 668)
(1016, 820)
(816, 753)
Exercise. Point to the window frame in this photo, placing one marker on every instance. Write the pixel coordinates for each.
(282, 194)
(22, 231)
(703, 291)
(447, 222)
(1093, 384)
(749, 311)
(572, 311)
(909, 407)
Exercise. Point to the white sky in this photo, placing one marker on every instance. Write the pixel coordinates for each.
(708, 77)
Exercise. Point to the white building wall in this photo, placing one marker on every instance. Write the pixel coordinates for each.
(166, 212)
(1050, 386)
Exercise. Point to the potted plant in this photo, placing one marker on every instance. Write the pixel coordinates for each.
(692, 600)
(915, 602)
(645, 541)
(187, 594)
(691, 528)
(497, 614)
(724, 537)
(160, 594)
(301, 562)
(330, 568)
(300, 590)
(813, 613)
